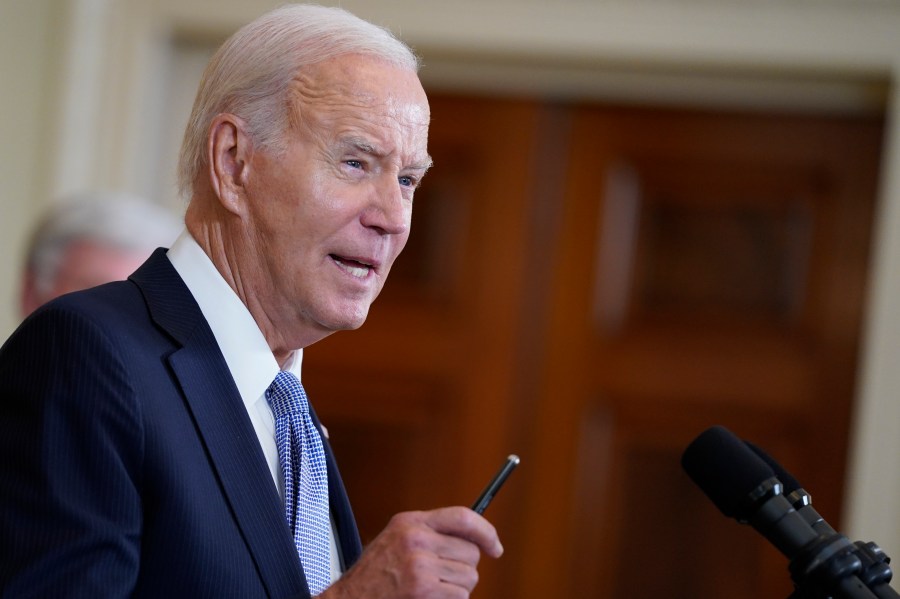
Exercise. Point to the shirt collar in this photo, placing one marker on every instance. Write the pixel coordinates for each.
(249, 358)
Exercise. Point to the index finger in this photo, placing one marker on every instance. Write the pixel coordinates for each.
(459, 521)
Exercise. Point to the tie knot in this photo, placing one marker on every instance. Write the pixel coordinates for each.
(286, 395)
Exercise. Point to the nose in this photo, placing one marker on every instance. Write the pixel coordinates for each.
(389, 209)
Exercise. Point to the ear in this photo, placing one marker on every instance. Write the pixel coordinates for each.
(229, 151)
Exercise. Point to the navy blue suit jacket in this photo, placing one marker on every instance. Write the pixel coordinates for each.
(128, 463)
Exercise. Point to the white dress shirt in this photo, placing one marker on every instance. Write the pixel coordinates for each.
(246, 351)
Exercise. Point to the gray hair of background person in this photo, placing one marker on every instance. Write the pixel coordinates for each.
(117, 220)
(250, 75)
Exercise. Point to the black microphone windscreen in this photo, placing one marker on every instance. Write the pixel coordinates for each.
(725, 469)
(789, 483)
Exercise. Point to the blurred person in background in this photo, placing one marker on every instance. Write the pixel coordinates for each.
(91, 238)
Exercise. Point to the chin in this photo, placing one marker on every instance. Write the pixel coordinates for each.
(350, 320)
(340, 313)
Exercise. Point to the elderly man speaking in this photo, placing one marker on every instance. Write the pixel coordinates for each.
(155, 439)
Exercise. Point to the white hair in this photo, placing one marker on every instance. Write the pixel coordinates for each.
(250, 74)
(114, 219)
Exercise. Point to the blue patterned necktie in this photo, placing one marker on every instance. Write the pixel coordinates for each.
(305, 478)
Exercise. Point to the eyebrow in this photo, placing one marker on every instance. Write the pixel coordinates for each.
(363, 145)
(367, 147)
(423, 166)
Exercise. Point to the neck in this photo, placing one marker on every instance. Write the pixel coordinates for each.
(224, 241)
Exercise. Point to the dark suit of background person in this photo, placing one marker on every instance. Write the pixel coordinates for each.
(132, 460)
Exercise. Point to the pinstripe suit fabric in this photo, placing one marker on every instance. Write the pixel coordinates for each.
(128, 464)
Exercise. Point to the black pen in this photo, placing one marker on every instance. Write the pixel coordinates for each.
(488, 494)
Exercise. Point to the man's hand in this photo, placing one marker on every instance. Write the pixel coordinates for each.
(421, 554)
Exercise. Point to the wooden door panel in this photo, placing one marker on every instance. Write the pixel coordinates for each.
(696, 284)
(390, 435)
(645, 529)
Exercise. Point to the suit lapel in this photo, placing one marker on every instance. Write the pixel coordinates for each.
(224, 426)
(345, 523)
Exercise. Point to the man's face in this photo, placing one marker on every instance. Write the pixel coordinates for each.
(331, 213)
(84, 264)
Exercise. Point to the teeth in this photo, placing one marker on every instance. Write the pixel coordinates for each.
(359, 272)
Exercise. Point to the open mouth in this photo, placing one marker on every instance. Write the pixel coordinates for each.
(354, 268)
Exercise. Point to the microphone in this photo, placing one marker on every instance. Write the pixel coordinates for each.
(744, 487)
(794, 492)
(875, 573)
(743, 484)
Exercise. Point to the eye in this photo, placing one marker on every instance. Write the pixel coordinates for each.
(353, 163)
(407, 181)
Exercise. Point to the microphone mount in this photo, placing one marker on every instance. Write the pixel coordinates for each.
(831, 566)
(748, 485)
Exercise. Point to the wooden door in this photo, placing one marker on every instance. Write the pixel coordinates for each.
(711, 270)
(591, 287)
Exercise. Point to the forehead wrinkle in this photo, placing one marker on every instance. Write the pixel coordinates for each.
(312, 89)
(319, 99)
(306, 95)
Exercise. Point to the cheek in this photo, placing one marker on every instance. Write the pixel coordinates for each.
(402, 239)
(400, 243)
(281, 212)
(322, 204)
(282, 186)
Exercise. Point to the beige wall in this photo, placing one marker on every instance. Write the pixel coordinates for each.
(29, 52)
(94, 122)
